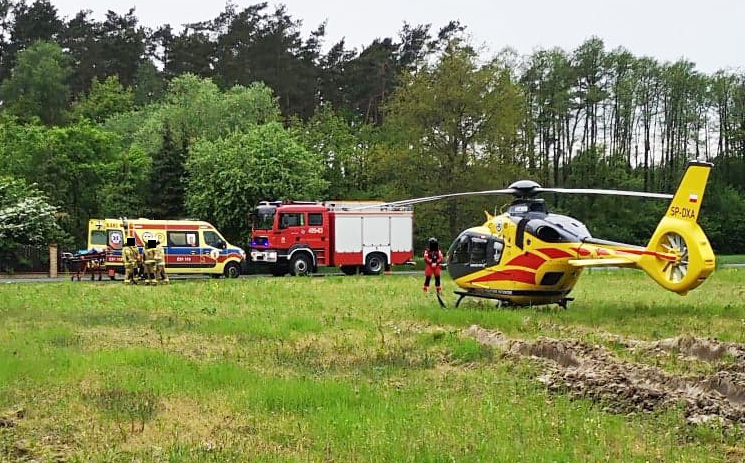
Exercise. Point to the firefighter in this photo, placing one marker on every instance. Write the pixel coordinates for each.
(160, 264)
(432, 261)
(149, 259)
(131, 258)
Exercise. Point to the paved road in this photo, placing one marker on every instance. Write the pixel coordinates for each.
(63, 279)
(179, 278)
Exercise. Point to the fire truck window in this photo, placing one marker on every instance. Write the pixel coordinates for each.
(212, 239)
(183, 239)
(478, 251)
(264, 218)
(291, 220)
(315, 220)
(98, 237)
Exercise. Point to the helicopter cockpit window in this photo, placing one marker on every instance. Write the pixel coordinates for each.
(460, 250)
(495, 249)
(478, 252)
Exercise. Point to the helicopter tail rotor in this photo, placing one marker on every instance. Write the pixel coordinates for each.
(679, 256)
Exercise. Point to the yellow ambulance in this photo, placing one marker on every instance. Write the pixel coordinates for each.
(190, 246)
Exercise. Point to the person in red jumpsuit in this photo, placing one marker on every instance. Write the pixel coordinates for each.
(432, 261)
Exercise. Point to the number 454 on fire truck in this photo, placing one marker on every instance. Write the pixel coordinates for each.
(300, 237)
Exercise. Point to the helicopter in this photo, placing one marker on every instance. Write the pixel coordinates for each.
(529, 256)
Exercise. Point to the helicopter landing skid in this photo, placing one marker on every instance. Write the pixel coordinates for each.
(463, 294)
(501, 303)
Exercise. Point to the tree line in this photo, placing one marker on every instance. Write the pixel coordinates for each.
(110, 118)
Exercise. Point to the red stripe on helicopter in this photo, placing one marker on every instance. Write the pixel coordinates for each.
(520, 276)
(527, 260)
(639, 252)
(583, 252)
(554, 253)
(603, 252)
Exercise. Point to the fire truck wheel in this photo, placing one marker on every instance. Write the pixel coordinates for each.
(374, 264)
(232, 270)
(349, 269)
(300, 265)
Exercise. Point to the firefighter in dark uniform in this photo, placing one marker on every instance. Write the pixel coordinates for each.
(131, 258)
(432, 261)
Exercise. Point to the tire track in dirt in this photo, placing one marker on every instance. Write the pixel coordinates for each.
(593, 372)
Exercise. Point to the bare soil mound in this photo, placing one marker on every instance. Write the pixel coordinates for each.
(593, 372)
(707, 350)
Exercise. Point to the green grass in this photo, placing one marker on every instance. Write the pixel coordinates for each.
(333, 369)
(731, 259)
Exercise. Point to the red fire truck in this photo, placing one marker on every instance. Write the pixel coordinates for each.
(299, 237)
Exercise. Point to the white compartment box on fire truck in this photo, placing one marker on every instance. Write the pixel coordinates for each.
(362, 233)
(300, 237)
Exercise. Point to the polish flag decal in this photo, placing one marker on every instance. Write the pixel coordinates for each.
(693, 198)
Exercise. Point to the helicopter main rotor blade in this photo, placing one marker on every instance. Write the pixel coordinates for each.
(592, 191)
(426, 199)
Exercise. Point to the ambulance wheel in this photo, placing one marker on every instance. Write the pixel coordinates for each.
(374, 264)
(349, 269)
(232, 270)
(300, 265)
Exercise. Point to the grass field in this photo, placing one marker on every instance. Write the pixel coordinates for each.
(336, 369)
(731, 259)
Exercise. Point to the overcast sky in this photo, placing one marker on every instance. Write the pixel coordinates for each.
(710, 33)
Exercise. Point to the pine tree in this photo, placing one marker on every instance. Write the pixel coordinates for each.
(168, 178)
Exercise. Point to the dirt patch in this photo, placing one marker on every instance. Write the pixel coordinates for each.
(593, 372)
(708, 350)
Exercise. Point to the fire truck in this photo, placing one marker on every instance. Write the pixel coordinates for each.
(300, 237)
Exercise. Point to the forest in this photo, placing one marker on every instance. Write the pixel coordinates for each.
(108, 118)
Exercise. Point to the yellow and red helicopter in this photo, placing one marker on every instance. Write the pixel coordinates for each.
(528, 256)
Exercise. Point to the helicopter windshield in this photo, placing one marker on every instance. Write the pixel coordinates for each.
(471, 252)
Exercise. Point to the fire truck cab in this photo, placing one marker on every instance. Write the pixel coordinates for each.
(300, 237)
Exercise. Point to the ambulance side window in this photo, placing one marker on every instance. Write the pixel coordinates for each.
(315, 220)
(213, 239)
(291, 220)
(183, 239)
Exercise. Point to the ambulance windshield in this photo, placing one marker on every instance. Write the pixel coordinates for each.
(98, 238)
(264, 217)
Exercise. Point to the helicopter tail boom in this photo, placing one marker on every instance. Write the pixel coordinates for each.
(679, 256)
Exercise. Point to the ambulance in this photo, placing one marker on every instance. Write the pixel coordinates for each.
(190, 246)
